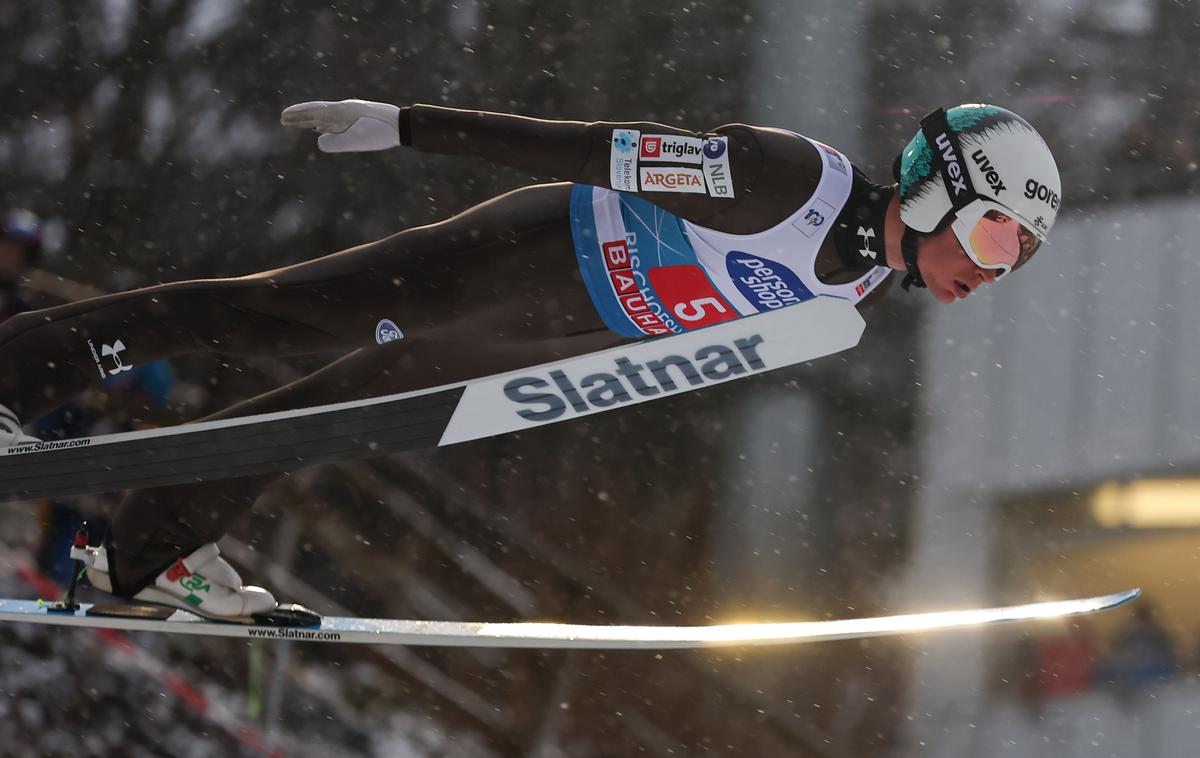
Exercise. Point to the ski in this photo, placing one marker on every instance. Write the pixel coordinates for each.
(491, 405)
(556, 636)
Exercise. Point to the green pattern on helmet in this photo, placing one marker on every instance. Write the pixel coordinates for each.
(916, 163)
(962, 119)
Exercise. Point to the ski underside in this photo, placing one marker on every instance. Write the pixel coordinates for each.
(484, 407)
(551, 635)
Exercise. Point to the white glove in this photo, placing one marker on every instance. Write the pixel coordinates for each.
(347, 126)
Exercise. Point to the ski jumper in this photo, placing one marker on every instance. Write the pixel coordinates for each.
(773, 219)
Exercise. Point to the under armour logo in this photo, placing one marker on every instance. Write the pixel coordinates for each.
(867, 235)
(814, 218)
(114, 351)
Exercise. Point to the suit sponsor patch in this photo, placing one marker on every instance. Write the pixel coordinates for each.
(622, 161)
(671, 148)
(717, 177)
(672, 180)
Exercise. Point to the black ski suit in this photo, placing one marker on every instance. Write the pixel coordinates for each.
(492, 289)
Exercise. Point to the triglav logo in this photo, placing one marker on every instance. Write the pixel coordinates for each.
(666, 147)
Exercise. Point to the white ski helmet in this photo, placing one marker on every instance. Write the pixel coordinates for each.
(981, 153)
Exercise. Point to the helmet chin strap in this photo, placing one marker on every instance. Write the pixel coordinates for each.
(908, 243)
(908, 249)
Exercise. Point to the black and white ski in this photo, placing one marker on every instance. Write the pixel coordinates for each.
(549, 635)
(470, 410)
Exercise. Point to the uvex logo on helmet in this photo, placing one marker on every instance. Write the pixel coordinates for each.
(990, 174)
(953, 169)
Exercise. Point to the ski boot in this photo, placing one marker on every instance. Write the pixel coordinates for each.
(10, 430)
(201, 583)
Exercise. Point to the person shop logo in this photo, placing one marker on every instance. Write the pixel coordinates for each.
(540, 398)
(766, 284)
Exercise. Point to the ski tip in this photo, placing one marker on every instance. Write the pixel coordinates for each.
(1121, 598)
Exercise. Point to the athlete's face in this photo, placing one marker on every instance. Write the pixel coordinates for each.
(948, 271)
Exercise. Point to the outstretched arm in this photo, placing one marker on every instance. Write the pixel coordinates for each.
(748, 179)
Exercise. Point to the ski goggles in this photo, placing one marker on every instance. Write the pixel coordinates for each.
(993, 236)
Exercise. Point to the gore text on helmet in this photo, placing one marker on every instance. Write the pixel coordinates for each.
(1035, 189)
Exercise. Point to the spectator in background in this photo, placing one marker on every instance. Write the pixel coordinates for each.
(20, 243)
(1062, 664)
(1142, 654)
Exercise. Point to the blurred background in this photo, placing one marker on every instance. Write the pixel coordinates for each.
(1037, 441)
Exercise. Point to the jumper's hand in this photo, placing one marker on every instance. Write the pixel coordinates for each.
(347, 126)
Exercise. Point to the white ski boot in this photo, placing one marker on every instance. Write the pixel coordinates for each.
(10, 430)
(201, 583)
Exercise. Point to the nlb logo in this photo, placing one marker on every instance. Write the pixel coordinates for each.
(766, 284)
(387, 331)
(716, 167)
(714, 147)
(548, 397)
